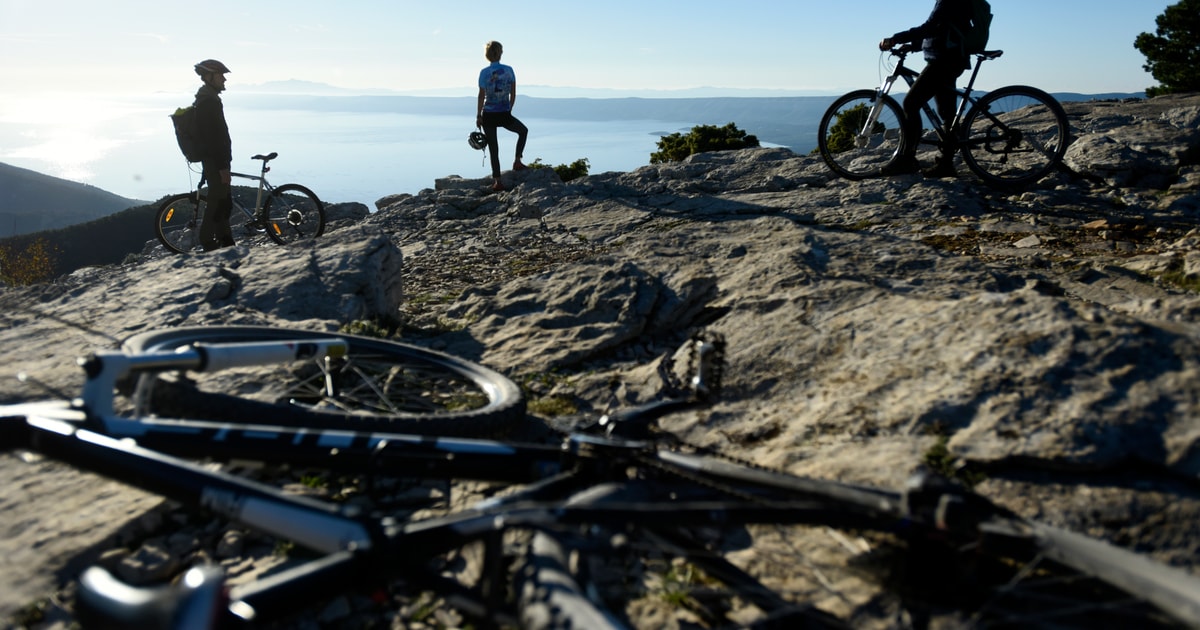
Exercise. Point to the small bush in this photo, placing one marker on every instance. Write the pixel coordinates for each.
(31, 265)
(566, 172)
(842, 134)
(379, 327)
(552, 406)
(701, 139)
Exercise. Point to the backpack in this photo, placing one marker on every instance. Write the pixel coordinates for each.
(975, 38)
(184, 119)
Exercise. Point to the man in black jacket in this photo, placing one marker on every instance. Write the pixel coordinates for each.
(945, 61)
(216, 155)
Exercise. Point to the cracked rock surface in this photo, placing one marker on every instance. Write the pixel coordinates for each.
(1047, 338)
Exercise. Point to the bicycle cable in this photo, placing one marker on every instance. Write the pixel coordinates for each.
(192, 171)
(885, 66)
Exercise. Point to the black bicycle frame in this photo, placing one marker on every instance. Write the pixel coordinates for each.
(364, 549)
(947, 134)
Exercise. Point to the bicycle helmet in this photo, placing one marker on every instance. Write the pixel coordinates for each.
(208, 66)
(477, 140)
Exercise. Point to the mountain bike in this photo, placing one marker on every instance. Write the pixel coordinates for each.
(1010, 137)
(287, 214)
(609, 522)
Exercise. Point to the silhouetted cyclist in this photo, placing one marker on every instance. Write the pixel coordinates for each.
(945, 61)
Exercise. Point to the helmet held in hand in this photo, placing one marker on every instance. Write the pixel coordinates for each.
(477, 140)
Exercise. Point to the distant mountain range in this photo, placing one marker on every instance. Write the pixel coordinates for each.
(32, 202)
(310, 88)
(296, 86)
(788, 121)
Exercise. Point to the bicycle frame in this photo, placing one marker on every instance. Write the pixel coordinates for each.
(261, 178)
(945, 133)
(264, 187)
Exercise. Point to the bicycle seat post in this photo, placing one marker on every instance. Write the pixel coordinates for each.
(262, 176)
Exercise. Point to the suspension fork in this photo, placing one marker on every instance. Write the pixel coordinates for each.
(873, 116)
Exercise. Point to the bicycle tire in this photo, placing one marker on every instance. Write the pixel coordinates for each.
(292, 214)
(379, 386)
(1014, 136)
(842, 561)
(848, 151)
(177, 222)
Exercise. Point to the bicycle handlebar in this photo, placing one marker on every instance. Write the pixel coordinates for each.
(905, 50)
(104, 369)
(197, 601)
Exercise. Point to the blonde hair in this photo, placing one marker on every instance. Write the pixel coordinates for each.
(492, 50)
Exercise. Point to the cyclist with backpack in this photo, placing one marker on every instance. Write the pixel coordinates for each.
(216, 155)
(941, 38)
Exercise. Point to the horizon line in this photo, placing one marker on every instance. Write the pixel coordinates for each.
(590, 92)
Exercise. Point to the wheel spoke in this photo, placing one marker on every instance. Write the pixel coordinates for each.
(1015, 136)
(859, 135)
(379, 384)
(177, 223)
(293, 213)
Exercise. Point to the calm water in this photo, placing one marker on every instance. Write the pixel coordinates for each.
(128, 147)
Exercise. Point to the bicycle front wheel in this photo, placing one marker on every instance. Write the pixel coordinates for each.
(378, 386)
(859, 136)
(292, 213)
(1015, 136)
(177, 223)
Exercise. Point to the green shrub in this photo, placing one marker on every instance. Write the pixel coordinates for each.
(701, 139)
(849, 122)
(566, 172)
(30, 265)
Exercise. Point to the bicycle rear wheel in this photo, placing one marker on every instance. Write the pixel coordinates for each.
(177, 222)
(853, 145)
(1015, 136)
(292, 213)
(378, 386)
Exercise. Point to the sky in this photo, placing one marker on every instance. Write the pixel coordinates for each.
(83, 84)
(798, 46)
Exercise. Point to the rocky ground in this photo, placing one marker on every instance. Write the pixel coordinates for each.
(1046, 339)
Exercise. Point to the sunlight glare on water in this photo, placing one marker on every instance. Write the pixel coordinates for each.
(66, 134)
(127, 146)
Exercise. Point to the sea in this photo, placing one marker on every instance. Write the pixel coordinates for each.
(126, 145)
